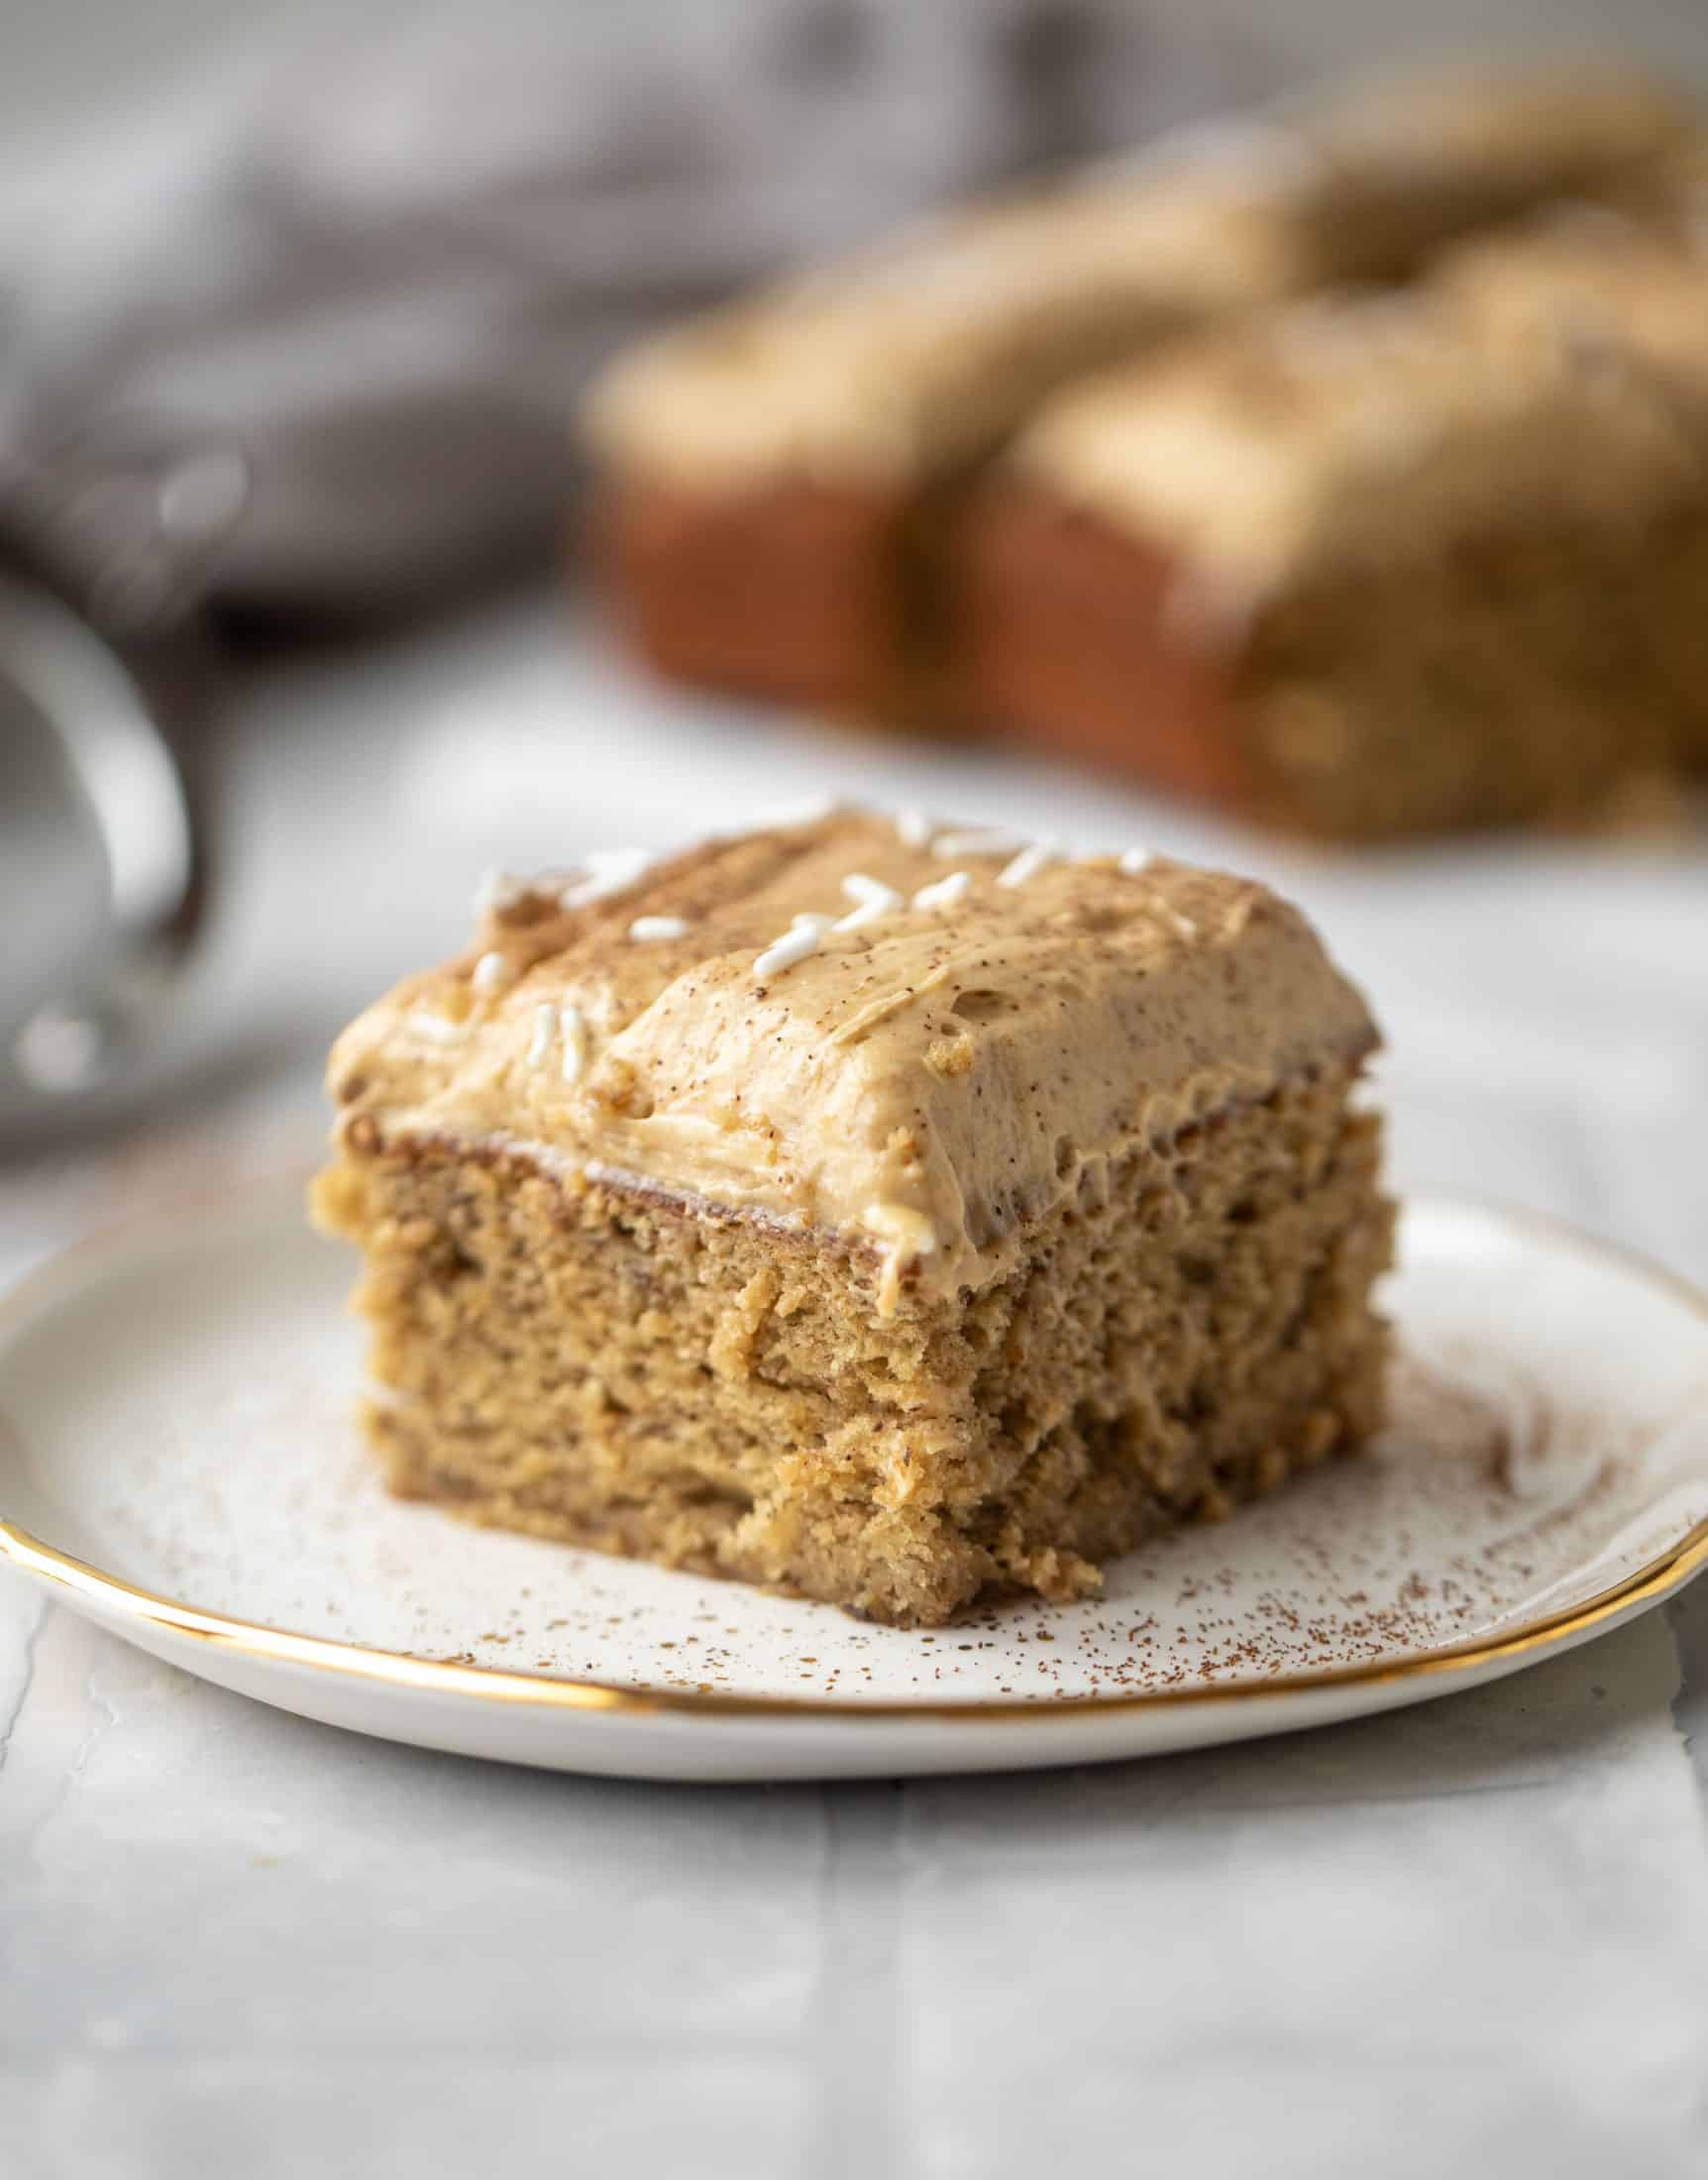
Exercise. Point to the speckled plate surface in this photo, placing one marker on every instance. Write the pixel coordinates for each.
(176, 1462)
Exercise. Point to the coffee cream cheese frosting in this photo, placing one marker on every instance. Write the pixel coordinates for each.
(920, 1048)
(1346, 426)
(1597, 283)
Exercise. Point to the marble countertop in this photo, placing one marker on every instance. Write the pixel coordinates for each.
(1471, 1936)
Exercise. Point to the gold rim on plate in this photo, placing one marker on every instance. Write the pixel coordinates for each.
(1649, 1583)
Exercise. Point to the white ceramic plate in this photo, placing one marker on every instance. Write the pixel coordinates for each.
(176, 1462)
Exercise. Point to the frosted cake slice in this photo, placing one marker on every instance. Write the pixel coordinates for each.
(897, 1215)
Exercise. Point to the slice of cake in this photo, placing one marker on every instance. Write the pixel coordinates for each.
(901, 1218)
(1360, 566)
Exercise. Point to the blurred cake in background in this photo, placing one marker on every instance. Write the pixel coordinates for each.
(1418, 159)
(911, 489)
(1365, 566)
(1625, 297)
(774, 473)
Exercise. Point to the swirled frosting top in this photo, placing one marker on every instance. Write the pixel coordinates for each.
(917, 1037)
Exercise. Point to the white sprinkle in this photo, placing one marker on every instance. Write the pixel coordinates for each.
(1134, 862)
(646, 928)
(492, 972)
(808, 923)
(436, 1030)
(907, 1235)
(875, 899)
(943, 893)
(605, 871)
(912, 828)
(545, 1030)
(795, 945)
(574, 1028)
(986, 842)
(858, 887)
(497, 891)
(1029, 862)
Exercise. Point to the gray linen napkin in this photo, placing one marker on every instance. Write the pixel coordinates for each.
(383, 263)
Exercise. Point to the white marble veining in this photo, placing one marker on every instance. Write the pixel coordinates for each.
(1471, 1937)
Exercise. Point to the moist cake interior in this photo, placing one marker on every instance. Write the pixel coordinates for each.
(604, 1367)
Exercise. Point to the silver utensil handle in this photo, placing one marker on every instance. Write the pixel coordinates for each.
(135, 796)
